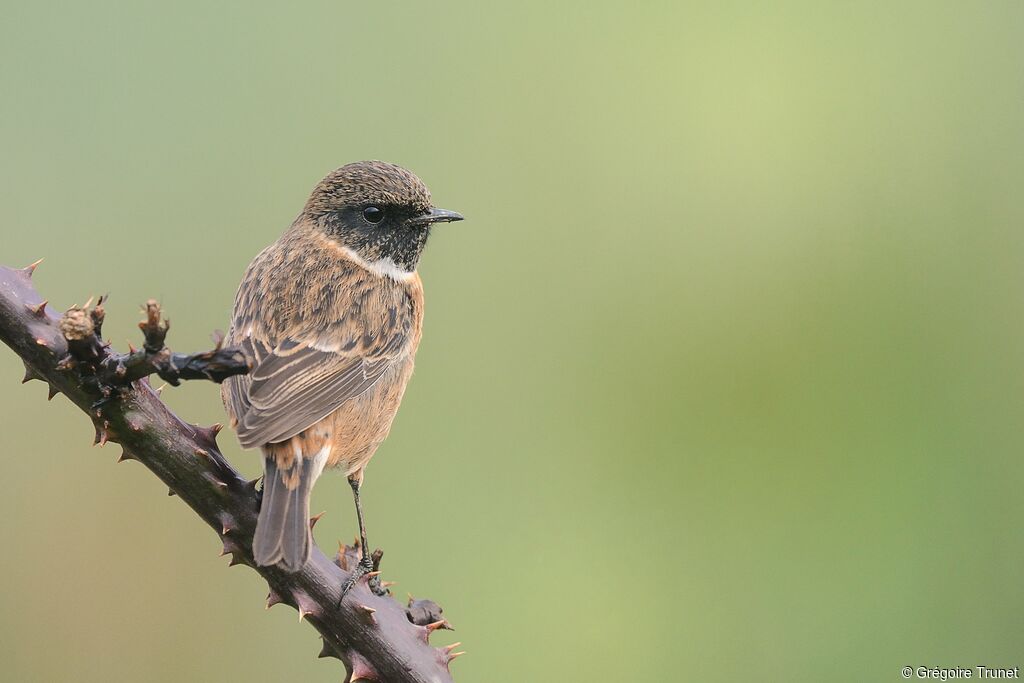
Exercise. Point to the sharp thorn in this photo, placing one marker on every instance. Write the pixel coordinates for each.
(160, 389)
(455, 654)
(443, 623)
(449, 648)
(53, 391)
(200, 452)
(341, 559)
(208, 434)
(314, 519)
(327, 651)
(125, 455)
(361, 669)
(170, 492)
(367, 613)
(305, 605)
(30, 374)
(31, 268)
(39, 310)
(388, 584)
(273, 598)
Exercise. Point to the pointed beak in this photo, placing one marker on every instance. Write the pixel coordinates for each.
(437, 216)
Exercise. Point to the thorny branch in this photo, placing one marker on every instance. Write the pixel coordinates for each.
(375, 637)
(81, 327)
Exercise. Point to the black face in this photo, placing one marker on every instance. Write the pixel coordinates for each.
(378, 231)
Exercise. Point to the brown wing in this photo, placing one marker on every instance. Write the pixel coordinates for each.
(320, 331)
(235, 390)
(296, 386)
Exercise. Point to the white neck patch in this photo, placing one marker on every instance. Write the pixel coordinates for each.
(384, 267)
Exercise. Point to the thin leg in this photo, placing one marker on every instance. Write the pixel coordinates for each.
(363, 548)
(366, 564)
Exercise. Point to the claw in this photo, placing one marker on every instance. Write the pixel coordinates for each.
(361, 570)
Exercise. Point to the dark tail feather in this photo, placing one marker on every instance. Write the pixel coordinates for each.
(282, 531)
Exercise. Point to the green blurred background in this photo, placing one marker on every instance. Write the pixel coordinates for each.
(723, 378)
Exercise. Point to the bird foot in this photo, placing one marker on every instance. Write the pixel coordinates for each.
(367, 565)
(376, 586)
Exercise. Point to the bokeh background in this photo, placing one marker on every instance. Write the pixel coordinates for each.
(723, 378)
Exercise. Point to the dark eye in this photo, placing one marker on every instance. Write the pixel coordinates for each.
(374, 214)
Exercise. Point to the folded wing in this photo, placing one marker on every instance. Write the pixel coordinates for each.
(295, 384)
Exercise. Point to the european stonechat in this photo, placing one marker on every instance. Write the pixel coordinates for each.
(330, 315)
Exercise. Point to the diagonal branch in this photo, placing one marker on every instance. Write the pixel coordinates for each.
(375, 637)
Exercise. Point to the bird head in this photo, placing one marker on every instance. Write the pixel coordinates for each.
(379, 211)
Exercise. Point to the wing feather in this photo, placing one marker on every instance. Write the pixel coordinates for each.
(289, 393)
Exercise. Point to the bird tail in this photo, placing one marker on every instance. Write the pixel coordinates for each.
(282, 535)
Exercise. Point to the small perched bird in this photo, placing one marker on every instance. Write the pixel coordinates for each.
(330, 316)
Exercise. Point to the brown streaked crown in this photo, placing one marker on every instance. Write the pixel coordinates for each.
(368, 183)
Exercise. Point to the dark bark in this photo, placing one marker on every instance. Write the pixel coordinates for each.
(375, 637)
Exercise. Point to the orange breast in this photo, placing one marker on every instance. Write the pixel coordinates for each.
(359, 426)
